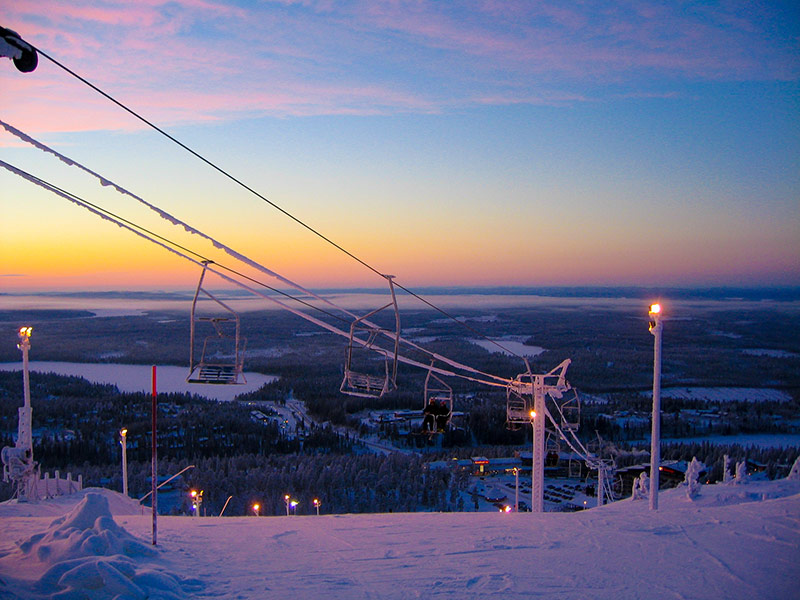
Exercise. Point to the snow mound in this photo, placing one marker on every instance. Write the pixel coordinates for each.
(87, 555)
(89, 530)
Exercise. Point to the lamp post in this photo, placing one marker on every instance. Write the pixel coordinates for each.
(293, 505)
(18, 464)
(516, 489)
(123, 435)
(537, 466)
(656, 327)
(287, 499)
(197, 501)
(256, 509)
(317, 504)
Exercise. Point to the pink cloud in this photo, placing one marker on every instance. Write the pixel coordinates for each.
(286, 57)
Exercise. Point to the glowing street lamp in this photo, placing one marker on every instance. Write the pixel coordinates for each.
(256, 509)
(516, 489)
(293, 505)
(287, 499)
(26, 429)
(123, 435)
(656, 327)
(317, 504)
(197, 501)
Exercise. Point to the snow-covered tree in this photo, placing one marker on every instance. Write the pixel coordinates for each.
(726, 469)
(741, 472)
(641, 487)
(794, 473)
(692, 479)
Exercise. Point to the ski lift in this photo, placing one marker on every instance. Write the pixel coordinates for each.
(570, 411)
(222, 341)
(519, 401)
(437, 391)
(361, 350)
(522, 390)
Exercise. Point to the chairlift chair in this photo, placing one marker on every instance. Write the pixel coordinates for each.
(438, 391)
(224, 340)
(570, 411)
(519, 401)
(362, 346)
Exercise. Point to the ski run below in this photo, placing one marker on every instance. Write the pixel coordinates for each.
(733, 541)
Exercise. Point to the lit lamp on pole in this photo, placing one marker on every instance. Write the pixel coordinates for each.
(18, 465)
(123, 439)
(197, 501)
(26, 428)
(535, 489)
(256, 509)
(317, 504)
(287, 499)
(656, 327)
(293, 505)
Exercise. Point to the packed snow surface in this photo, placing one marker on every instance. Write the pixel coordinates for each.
(732, 541)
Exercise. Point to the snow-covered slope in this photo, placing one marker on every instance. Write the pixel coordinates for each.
(734, 541)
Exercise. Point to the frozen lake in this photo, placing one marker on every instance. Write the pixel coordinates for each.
(509, 347)
(727, 394)
(137, 378)
(760, 440)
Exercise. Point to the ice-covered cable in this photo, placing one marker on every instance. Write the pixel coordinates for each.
(230, 251)
(165, 215)
(105, 215)
(102, 215)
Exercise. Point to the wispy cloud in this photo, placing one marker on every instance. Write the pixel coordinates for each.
(196, 60)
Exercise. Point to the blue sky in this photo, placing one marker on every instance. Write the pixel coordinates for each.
(481, 143)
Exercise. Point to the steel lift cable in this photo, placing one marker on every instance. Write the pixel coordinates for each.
(265, 199)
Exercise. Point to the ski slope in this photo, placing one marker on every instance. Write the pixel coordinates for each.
(734, 541)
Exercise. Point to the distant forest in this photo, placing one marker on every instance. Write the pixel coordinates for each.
(712, 344)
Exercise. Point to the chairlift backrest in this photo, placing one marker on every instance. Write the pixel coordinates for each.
(519, 401)
(571, 413)
(222, 340)
(363, 341)
(437, 390)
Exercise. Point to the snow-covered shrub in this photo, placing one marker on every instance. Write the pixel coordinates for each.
(794, 473)
(692, 478)
(641, 487)
(727, 477)
(741, 472)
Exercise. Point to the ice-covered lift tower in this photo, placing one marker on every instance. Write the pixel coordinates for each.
(18, 464)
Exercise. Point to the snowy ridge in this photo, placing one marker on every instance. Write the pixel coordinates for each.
(730, 541)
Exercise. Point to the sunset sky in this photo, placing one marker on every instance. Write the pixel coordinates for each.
(447, 143)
